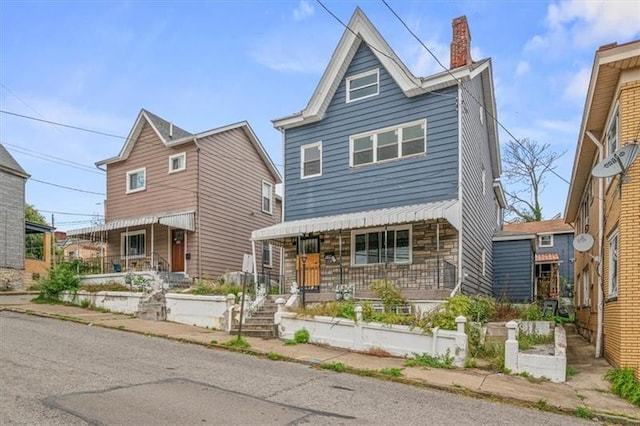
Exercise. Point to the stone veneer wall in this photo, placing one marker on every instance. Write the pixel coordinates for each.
(11, 279)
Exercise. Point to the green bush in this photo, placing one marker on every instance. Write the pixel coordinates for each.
(624, 384)
(445, 316)
(389, 295)
(219, 288)
(530, 312)
(301, 336)
(482, 308)
(60, 278)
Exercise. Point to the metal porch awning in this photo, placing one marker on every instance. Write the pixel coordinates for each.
(449, 210)
(551, 257)
(182, 220)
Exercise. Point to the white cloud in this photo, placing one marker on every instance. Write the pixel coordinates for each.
(564, 126)
(522, 68)
(283, 54)
(304, 10)
(421, 63)
(587, 24)
(577, 84)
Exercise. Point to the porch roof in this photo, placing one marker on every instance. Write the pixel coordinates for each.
(551, 257)
(449, 210)
(182, 220)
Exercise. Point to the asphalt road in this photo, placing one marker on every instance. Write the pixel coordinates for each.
(58, 372)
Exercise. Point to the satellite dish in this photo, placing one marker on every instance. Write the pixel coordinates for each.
(583, 242)
(616, 163)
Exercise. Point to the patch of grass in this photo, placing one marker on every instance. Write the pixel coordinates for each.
(527, 341)
(530, 378)
(367, 372)
(219, 287)
(238, 343)
(583, 412)
(542, 404)
(393, 371)
(426, 360)
(338, 367)
(273, 356)
(290, 342)
(301, 336)
(581, 396)
(471, 363)
(602, 390)
(85, 303)
(571, 371)
(121, 327)
(624, 384)
(213, 342)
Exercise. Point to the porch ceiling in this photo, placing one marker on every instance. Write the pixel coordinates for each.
(449, 210)
(182, 220)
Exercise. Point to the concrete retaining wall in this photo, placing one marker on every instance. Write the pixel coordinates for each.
(398, 340)
(202, 311)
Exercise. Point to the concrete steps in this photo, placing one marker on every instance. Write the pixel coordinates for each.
(260, 323)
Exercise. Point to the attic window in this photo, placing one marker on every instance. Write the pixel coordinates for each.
(363, 85)
(177, 162)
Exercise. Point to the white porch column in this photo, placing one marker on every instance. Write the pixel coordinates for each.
(152, 249)
(255, 265)
(126, 247)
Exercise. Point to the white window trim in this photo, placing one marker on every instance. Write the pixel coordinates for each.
(184, 163)
(484, 182)
(302, 151)
(270, 211)
(540, 240)
(614, 235)
(481, 115)
(484, 262)
(614, 112)
(123, 235)
(270, 264)
(380, 229)
(132, 172)
(586, 287)
(373, 134)
(360, 75)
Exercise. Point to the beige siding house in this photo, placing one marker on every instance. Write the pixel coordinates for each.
(186, 203)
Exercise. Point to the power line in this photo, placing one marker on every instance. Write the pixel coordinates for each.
(495, 119)
(67, 187)
(69, 214)
(52, 159)
(97, 132)
(27, 105)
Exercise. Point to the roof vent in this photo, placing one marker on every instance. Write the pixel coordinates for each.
(171, 130)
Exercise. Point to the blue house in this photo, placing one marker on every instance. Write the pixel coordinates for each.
(390, 176)
(534, 261)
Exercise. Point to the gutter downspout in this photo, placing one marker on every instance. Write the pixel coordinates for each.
(195, 140)
(461, 274)
(600, 325)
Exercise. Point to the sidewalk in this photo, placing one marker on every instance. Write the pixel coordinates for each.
(586, 389)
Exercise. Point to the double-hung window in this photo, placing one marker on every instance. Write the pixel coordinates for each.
(177, 162)
(613, 263)
(311, 160)
(363, 85)
(586, 286)
(267, 197)
(136, 180)
(387, 144)
(133, 244)
(545, 240)
(370, 247)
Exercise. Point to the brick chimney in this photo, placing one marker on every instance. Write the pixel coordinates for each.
(461, 43)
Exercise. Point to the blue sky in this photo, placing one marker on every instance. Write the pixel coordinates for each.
(205, 64)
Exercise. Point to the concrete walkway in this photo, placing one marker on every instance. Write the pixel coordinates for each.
(586, 389)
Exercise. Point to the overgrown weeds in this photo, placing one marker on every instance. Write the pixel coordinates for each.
(624, 384)
(301, 336)
(393, 371)
(426, 360)
(59, 278)
(338, 367)
(238, 342)
(218, 288)
(527, 341)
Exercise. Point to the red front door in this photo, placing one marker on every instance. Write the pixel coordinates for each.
(177, 250)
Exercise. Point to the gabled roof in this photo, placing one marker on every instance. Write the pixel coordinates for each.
(10, 165)
(609, 62)
(344, 53)
(556, 226)
(172, 135)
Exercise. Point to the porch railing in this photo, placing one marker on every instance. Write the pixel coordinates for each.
(431, 275)
(118, 264)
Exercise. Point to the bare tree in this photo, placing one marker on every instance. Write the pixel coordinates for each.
(526, 164)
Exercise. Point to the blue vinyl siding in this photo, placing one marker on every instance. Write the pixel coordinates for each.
(563, 245)
(513, 263)
(342, 189)
(479, 217)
